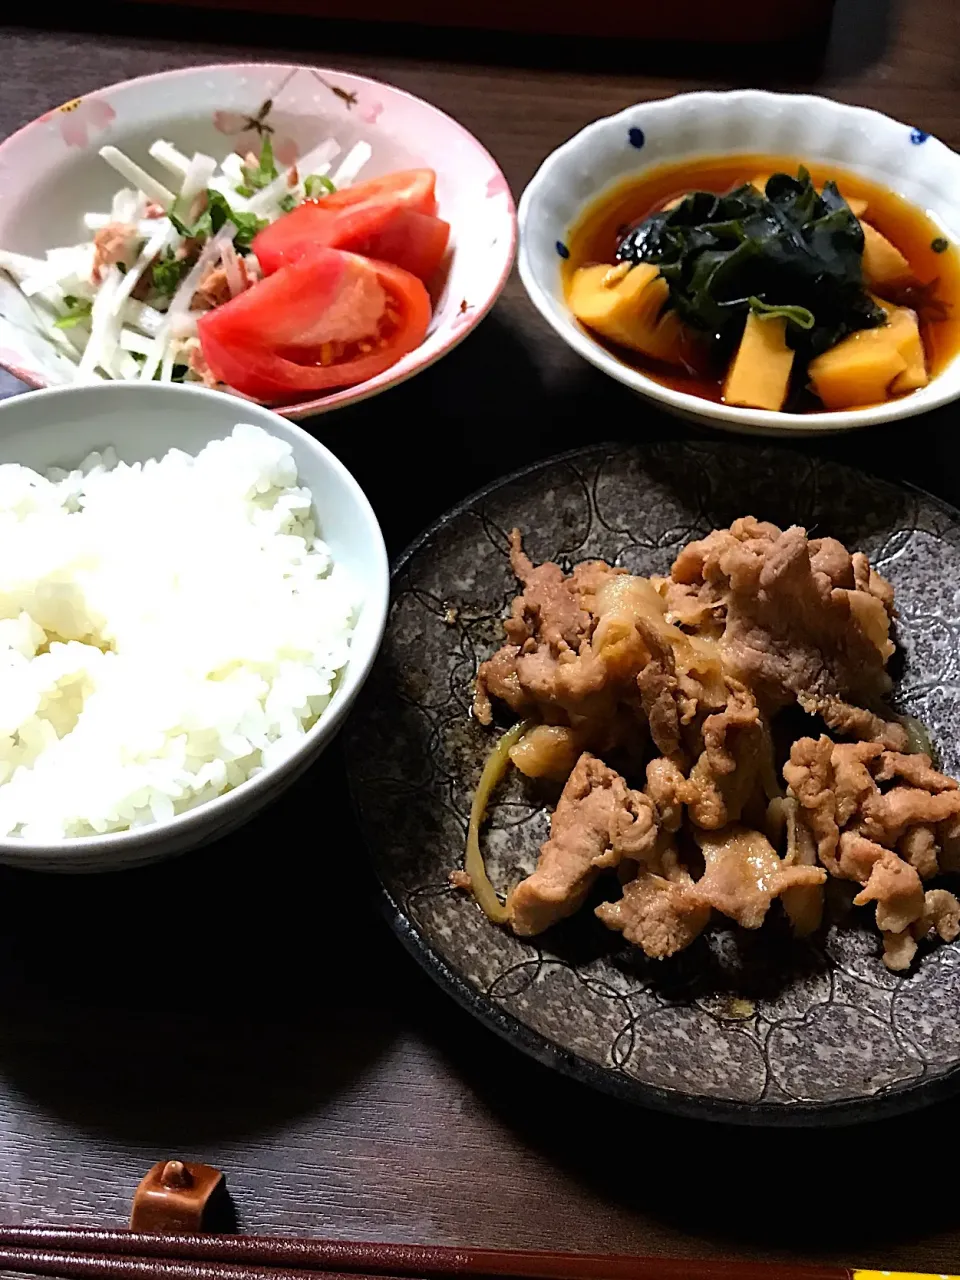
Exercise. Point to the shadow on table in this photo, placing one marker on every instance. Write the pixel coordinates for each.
(201, 998)
(215, 995)
(822, 1191)
(495, 404)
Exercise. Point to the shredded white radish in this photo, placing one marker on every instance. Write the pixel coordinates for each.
(315, 161)
(97, 221)
(319, 159)
(45, 280)
(232, 167)
(352, 163)
(165, 237)
(130, 340)
(143, 317)
(227, 188)
(104, 331)
(54, 298)
(201, 169)
(70, 253)
(20, 265)
(121, 327)
(69, 342)
(123, 366)
(37, 284)
(63, 266)
(180, 302)
(125, 206)
(154, 357)
(149, 185)
(166, 364)
(170, 157)
(209, 257)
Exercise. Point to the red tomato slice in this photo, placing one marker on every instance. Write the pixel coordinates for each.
(412, 188)
(269, 342)
(312, 226)
(333, 297)
(345, 219)
(414, 241)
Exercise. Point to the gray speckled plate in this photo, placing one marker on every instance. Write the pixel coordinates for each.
(752, 1027)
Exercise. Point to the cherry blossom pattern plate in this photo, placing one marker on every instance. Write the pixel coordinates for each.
(50, 174)
(749, 1027)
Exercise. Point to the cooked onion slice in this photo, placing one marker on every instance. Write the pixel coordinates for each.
(497, 763)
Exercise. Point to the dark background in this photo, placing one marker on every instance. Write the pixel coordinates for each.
(245, 1005)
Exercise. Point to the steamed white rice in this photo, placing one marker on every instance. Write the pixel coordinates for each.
(167, 630)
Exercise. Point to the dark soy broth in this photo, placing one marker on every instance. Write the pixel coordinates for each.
(594, 239)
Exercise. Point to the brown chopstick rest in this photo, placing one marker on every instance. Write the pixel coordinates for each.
(174, 1197)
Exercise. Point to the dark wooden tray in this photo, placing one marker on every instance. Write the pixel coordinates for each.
(748, 22)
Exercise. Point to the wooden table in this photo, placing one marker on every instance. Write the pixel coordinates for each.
(245, 1005)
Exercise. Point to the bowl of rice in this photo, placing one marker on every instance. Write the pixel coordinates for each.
(192, 593)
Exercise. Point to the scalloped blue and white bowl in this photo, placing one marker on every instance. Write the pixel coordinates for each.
(898, 156)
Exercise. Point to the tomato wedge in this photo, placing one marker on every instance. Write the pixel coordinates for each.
(408, 239)
(412, 188)
(357, 219)
(414, 241)
(333, 319)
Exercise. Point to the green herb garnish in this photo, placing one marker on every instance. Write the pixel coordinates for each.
(316, 184)
(167, 272)
(184, 228)
(219, 212)
(799, 316)
(268, 165)
(258, 176)
(78, 310)
(939, 245)
(216, 213)
(789, 250)
(288, 202)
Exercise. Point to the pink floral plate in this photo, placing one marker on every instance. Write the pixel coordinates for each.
(50, 175)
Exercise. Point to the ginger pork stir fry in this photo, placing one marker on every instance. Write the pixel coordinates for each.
(656, 703)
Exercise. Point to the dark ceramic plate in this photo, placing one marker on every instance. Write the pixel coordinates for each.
(751, 1027)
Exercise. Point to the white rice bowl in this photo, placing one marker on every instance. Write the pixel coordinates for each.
(167, 630)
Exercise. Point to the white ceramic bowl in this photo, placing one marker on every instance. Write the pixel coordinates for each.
(50, 174)
(59, 427)
(903, 159)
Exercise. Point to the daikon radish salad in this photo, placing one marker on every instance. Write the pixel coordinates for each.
(174, 244)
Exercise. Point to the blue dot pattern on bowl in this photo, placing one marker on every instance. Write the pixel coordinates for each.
(917, 136)
(562, 249)
(637, 138)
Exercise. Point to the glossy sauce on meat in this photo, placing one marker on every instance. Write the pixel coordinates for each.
(595, 237)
